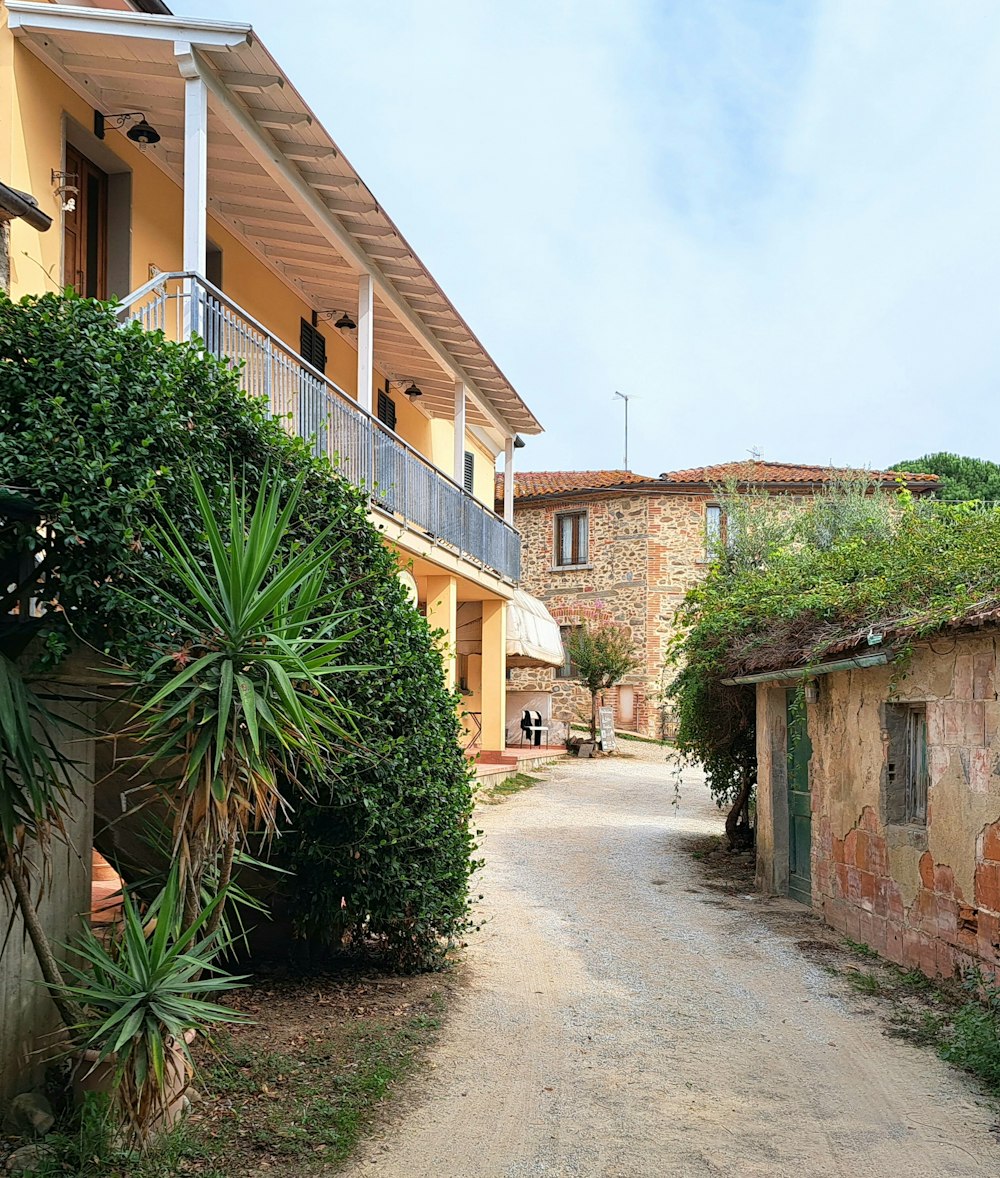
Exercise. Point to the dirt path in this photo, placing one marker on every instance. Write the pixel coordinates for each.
(623, 1022)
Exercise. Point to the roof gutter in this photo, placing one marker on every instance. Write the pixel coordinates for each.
(20, 204)
(858, 662)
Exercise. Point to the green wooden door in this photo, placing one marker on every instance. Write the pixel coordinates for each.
(799, 800)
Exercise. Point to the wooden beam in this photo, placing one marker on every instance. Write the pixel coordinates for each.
(250, 83)
(279, 118)
(305, 151)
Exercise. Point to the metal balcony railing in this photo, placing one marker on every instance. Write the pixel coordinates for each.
(398, 480)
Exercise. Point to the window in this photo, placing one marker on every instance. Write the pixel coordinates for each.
(469, 474)
(572, 538)
(720, 531)
(312, 345)
(906, 773)
(569, 669)
(386, 411)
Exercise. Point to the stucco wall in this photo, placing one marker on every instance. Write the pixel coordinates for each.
(35, 109)
(924, 896)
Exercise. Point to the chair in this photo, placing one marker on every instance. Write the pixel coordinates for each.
(532, 728)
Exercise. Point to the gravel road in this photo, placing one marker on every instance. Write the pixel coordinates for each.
(623, 1021)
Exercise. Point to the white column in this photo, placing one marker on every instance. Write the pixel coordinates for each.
(366, 340)
(508, 480)
(195, 159)
(459, 473)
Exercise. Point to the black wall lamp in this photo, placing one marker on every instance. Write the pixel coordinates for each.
(139, 132)
(519, 442)
(344, 323)
(412, 391)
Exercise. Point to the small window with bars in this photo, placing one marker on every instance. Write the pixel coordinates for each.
(469, 474)
(312, 345)
(386, 410)
(907, 776)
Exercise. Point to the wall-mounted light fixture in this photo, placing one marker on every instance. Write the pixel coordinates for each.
(519, 442)
(343, 323)
(412, 391)
(140, 132)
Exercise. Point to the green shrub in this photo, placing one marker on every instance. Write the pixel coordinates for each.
(973, 1043)
(99, 424)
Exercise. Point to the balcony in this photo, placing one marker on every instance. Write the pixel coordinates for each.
(399, 482)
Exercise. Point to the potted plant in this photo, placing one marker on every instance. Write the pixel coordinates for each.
(143, 993)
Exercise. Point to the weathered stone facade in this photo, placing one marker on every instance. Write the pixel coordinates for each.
(646, 548)
(647, 539)
(925, 895)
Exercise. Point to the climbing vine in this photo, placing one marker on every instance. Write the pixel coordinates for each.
(789, 582)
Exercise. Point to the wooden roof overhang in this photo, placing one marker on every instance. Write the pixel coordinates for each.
(278, 180)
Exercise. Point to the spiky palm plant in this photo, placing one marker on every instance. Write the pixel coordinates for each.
(139, 992)
(244, 696)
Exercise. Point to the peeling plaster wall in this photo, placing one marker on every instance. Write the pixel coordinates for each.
(924, 896)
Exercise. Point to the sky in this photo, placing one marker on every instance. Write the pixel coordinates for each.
(774, 224)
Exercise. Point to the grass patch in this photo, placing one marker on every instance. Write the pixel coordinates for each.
(864, 982)
(624, 735)
(515, 784)
(960, 1020)
(292, 1093)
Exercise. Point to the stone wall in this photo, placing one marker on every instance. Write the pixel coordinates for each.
(925, 897)
(645, 552)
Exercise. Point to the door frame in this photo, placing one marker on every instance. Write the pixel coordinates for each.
(799, 887)
(119, 205)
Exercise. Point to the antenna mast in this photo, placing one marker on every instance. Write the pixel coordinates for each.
(626, 399)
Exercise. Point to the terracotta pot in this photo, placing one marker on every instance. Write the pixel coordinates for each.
(93, 1075)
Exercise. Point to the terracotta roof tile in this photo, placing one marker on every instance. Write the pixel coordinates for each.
(561, 482)
(759, 472)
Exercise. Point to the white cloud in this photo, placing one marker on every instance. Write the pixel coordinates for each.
(774, 223)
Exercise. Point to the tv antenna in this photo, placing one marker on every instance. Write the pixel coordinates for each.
(626, 398)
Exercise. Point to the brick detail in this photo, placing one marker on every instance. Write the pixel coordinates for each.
(940, 932)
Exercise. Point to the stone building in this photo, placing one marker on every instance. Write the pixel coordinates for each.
(878, 793)
(633, 544)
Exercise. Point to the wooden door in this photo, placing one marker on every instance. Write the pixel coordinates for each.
(799, 798)
(85, 229)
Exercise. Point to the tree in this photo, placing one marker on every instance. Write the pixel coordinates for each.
(101, 428)
(960, 477)
(603, 653)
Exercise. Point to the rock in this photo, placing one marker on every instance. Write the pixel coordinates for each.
(29, 1115)
(29, 1159)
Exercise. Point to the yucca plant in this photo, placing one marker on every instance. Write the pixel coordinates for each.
(35, 790)
(244, 695)
(139, 992)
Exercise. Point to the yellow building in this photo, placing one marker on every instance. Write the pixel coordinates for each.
(187, 177)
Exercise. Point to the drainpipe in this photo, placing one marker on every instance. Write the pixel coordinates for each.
(860, 661)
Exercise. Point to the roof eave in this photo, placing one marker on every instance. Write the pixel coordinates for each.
(505, 411)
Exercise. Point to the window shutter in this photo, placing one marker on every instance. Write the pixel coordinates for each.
(312, 345)
(386, 412)
(470, 471)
